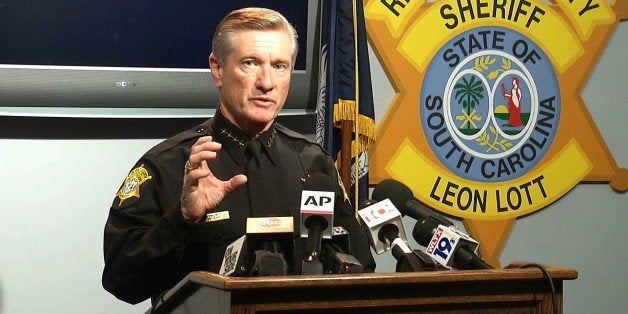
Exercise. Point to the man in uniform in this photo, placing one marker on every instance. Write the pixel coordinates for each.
(238, 164)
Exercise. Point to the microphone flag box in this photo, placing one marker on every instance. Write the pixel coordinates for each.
(444, 243)
(378, 215)
(317, 203)
(264, 225)
(232, 255)
(278, 231)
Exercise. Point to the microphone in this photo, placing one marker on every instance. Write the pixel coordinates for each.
(334, 256)
(401, 196)
(427, 223)
(447, 245)
(386, 231)
(317, 211)
(271, 238)
(376, 217)
(340, 237)
(269, 260)
(236, 260)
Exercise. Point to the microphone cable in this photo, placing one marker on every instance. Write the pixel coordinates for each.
(549, 278)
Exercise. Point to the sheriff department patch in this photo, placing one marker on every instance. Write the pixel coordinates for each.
(487, 123)
(493, 114)
(131, 186)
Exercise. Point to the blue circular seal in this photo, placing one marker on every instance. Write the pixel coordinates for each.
(490, 104)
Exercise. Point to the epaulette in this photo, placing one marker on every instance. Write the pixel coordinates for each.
(189, 135)
(293, 134)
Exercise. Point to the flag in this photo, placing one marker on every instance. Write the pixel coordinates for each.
(345, 93)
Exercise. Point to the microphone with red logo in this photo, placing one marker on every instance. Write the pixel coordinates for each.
(317, 215)
(386, 232)
(442, 243)
(264, 249)
(401, 196)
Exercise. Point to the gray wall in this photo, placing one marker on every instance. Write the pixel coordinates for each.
(56, 194)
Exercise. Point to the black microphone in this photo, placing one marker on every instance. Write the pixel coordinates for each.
(401, 196)
(269, 260)
(447, 245)
(273, 242)
(386, 232)
(260, 251)
(317, 212)
(240, 259)
(334, 254)
(341, 238)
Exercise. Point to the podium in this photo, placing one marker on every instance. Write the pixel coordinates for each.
(508, 290)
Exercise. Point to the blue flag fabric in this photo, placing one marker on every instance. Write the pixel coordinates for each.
(345, 88)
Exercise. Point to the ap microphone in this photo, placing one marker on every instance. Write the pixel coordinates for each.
(317, 212)
(401, 196)
(447, 245)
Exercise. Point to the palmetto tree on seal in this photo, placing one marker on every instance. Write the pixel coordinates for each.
(468, 94)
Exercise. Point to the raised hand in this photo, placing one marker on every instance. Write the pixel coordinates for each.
(202, 191)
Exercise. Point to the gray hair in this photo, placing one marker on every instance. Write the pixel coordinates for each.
(247, 19)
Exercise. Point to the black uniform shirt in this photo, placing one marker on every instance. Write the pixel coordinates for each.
(149, 246)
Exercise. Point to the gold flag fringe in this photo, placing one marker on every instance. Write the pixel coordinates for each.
(345, 110)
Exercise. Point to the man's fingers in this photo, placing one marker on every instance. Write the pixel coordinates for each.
(205, 143)
(198, 158)
(203, 151)
(198, 174)
(208, 146)
(235, 182)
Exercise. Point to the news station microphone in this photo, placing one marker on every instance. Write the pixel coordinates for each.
(447, 245)
(317, 213)
(236, 259)
(401, 196)
(427, 223)
(264, 249)
(386, 231)
(334, 254)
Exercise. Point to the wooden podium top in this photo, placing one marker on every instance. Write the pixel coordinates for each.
(521, 287)
(238, 283)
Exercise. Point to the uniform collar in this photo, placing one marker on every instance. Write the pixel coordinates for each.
(233, 139)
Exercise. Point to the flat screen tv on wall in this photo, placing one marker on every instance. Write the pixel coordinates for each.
(141, 58)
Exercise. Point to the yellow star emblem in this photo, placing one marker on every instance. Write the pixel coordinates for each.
(488, 123)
